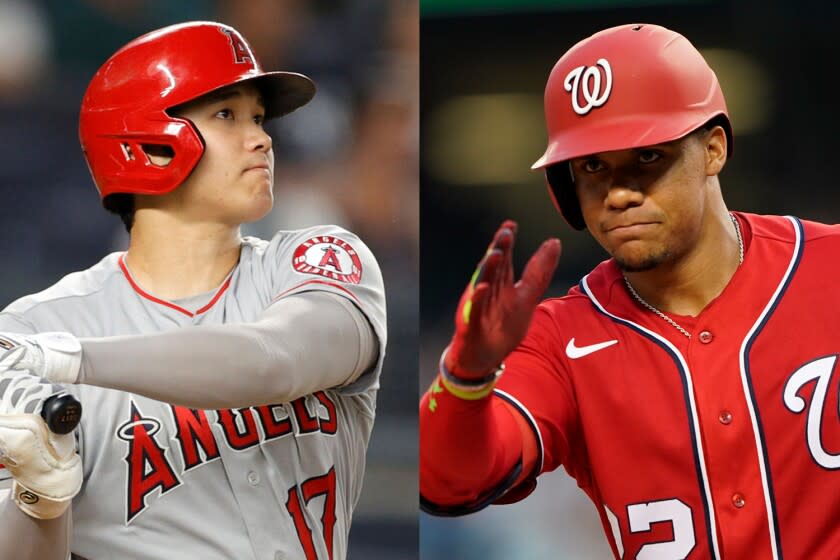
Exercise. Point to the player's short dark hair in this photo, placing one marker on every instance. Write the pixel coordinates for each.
(719, 120)
(121, 204)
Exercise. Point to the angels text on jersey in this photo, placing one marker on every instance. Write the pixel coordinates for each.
(149, 464)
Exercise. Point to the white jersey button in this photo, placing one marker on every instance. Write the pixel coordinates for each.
(706, 337)
(738, 500)
(253, 478)
(278, 555)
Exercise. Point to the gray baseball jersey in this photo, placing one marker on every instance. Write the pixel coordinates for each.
(277, 481)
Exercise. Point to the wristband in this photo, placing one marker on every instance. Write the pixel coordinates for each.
(467, 395)
(468, 388)
(38, 506)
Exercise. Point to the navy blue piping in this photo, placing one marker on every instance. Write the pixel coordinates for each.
(777, 536)
(692, 426)
(537, 436)
(482, 502)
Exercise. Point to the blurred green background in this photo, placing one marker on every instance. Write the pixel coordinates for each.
(483, 67)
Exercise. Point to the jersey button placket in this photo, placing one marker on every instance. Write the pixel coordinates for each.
(253, 478)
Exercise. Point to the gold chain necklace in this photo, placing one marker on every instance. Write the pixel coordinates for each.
(662, 315)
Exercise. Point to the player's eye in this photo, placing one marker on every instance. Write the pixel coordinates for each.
(649, 156)
(259, 119)
(225, 114)
(592, 165)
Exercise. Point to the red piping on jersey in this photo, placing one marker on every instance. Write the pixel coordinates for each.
(342, 288)
(169, 304)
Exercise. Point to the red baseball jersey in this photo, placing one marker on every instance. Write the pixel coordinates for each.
(724, 445)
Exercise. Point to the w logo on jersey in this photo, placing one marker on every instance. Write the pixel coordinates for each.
(587, 86)
(820, 370)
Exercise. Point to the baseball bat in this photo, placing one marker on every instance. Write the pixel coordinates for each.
(62, 413)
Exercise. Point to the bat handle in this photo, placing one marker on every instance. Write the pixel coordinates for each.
(62, 413)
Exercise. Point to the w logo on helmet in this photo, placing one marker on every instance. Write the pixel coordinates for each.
(584, 82)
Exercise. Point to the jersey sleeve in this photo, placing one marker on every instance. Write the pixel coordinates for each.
(536, 385)
(14, 323)
(528, 426)
(331, 259)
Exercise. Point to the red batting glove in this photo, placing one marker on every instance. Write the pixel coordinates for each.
(494, 312)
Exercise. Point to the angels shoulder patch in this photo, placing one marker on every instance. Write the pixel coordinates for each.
(329, 257)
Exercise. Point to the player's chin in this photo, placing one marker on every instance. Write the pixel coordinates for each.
(261, 211)
(258, 204)
(260, 183)
(263, 188)
(638, 256)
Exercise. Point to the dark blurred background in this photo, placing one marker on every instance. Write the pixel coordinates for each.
(483, 70)
(348, 158)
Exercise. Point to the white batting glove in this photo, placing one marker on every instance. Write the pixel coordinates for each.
(46, 468)
(56, 356)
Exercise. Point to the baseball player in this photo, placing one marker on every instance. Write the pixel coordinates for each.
(228, 383)
(688, 383)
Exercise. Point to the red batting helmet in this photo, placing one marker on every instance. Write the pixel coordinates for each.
(125, 105)
(624, 87)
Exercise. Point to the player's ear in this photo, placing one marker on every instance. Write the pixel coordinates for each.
(715, 143)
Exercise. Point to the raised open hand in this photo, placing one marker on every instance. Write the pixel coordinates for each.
(494, 312)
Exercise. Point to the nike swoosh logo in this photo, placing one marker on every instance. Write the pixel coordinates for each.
(575, 352)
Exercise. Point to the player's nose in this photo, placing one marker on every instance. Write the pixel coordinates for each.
(623, 191)
(258, 139)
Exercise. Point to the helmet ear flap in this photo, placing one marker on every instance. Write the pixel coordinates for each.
(561, 188)
(120, 163)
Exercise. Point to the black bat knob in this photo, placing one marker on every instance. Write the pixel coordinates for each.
(62, 413)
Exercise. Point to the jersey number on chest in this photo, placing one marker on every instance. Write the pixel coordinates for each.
(299, 498)
(641, 518)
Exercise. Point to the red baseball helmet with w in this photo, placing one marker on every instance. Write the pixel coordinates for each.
(624, 87)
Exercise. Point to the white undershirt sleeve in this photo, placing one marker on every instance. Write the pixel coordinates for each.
(301, 344)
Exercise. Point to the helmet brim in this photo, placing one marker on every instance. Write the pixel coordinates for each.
(624, 134)
(284, 92)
